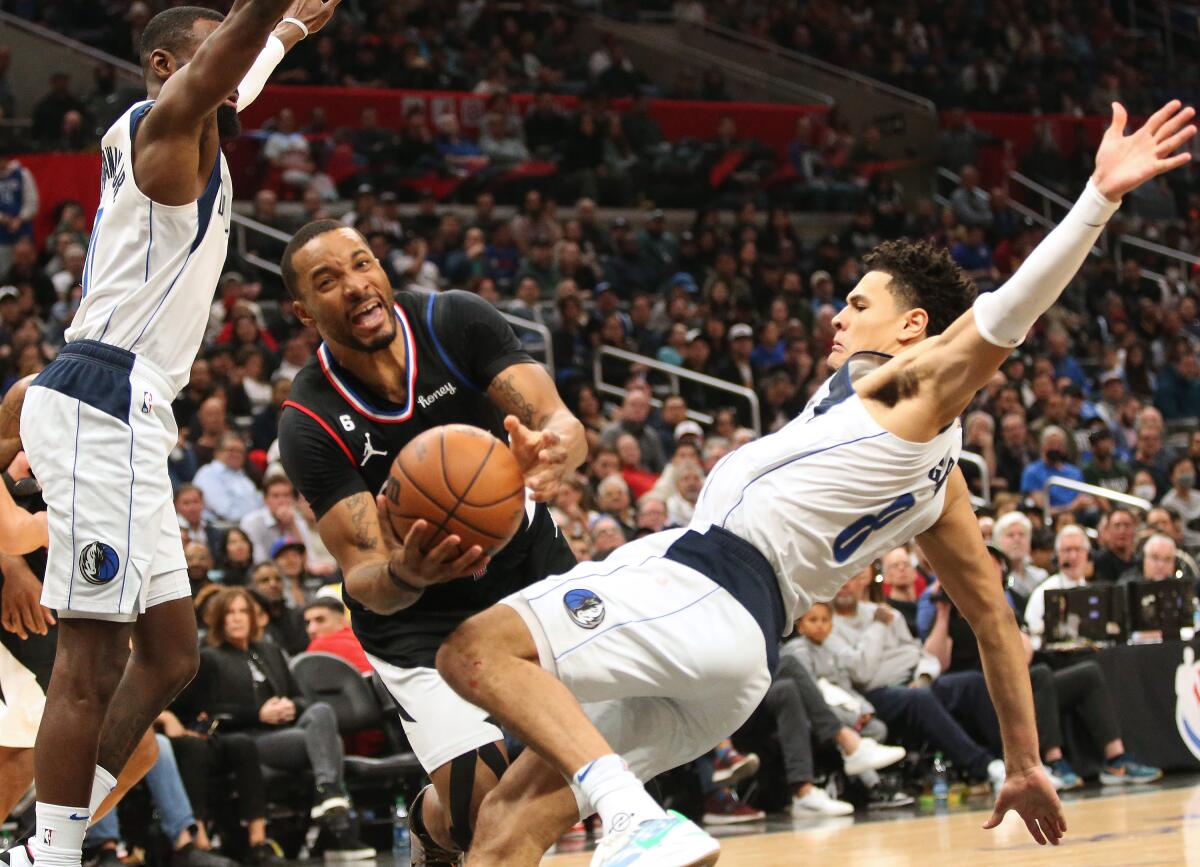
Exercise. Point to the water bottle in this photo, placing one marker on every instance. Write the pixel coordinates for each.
(941, 783)
(400, 842)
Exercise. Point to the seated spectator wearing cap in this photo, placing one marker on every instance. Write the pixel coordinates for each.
(1054, 462)
(1105, 469)
(229, 494)
(1157, 562)
(1117, 538)
(741, 348)
(1185, 499)
(288, 554)
(276, 519)
(281, 624)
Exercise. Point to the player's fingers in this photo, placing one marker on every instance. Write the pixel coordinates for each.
(33, 618)
(1173, 163)
(444, 551)
(1172, 144)
(471, 561)
(1049, 825)
(1161, 116)
(997, 816)
(13, 624)
(1032, 825)
(1175, 123)
(413, 540)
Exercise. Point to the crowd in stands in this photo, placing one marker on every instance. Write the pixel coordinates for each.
(1106, 390)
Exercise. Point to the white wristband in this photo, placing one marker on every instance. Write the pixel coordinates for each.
(256, 78)
(303, 27)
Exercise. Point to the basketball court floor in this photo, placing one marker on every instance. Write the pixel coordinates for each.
(1155, 825)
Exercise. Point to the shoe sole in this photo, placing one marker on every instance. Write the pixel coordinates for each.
(743, 770)
(1111, 780)
(330, 806)
(342, 856)
(732, 820)
(892, 805)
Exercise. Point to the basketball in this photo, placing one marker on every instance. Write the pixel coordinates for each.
(462, 480)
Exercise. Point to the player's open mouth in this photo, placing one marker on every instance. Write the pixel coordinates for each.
(369, 315)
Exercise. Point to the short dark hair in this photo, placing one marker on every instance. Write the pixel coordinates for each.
(291, 280)
(171, 30)
(924, 276)
(334, 605)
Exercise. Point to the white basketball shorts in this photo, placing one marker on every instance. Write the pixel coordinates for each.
(97, 427)
(668, 644)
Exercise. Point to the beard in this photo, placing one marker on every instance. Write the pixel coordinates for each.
(229, 125)
(373, 344)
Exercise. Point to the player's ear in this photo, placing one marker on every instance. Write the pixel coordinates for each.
(301, 313)
(914, 325)
(161, 64)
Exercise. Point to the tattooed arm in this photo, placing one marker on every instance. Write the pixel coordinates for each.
(547, 440)
(381, 573)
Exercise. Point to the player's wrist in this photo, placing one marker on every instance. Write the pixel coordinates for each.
(400, 582)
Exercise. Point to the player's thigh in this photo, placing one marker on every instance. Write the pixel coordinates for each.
(639, 624)
(439, 724)
(104, 481)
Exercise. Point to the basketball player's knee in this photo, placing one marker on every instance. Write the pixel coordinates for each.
(178, 671)
(460, 659)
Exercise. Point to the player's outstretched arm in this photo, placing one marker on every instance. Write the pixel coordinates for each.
(547, 440)
(313, 15)
(951, 367)
(965, 570)
(20, 531)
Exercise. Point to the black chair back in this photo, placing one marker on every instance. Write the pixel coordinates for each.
(328, 678)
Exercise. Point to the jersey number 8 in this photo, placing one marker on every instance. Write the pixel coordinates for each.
(851, 539)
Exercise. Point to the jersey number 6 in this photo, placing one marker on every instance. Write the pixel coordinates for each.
(851, 539)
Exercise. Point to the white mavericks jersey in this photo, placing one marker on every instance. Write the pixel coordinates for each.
(151, 269)
(830, 492)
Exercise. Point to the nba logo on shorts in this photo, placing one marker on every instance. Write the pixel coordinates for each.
(98, 563)
(147, 402)
(1187, 701)
(585, 608)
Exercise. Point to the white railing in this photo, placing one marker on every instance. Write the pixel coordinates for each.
(1092, 490)
(675, 373)
(546, 347)
(984, 498)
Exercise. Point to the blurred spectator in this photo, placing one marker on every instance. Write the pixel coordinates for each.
(607, 536)
(689, 479)
(284, 625)
(51, 109)
(189, 507)
(1185, 500)
(1157, 562)
(900, 585)
(1071, 547)
(329, 632)
(229, 494)
(19, 204)
(634, 414)
(1013, 534)
(970, 202)
(276, 519)
(1054, 462)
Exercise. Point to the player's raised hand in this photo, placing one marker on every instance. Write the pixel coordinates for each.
(409, 560)
(541, 455)
(314, 13)
(1032, 795)
(1125, 162)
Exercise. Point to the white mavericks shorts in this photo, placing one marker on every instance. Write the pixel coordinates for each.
(668, 644)
(97, 428)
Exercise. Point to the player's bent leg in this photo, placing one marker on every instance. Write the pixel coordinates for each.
(523, 816)
(165, 658)
(445, 812)
(492, 661)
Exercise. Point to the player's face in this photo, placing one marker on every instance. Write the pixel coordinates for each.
(816, 624)
(871, 321)
(346, 294)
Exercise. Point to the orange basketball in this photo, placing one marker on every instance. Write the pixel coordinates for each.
(463, 481)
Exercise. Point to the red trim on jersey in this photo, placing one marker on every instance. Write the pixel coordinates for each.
(308, 412)
(328, 366)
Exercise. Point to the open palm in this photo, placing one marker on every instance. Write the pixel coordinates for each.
(1125, 162)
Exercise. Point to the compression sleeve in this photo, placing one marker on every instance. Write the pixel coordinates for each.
(316, 462)
(1004, 317)
(260, 71)
(475, 337)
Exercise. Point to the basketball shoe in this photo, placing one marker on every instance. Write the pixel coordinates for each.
(20, 855)
(671, 842)
(423, 850)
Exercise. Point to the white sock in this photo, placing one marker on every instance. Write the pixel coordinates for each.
(610, 788)
(59, 837)
(102, 785)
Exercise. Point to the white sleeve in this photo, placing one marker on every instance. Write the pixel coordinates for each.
(256, 78)
(1005, 316)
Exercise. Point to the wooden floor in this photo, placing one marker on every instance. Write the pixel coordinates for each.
(1159, 827)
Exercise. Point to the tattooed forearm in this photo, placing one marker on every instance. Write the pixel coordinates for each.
(366, 531)
(506, 395)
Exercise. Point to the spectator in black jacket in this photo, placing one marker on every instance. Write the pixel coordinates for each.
(284, 626)
(245, 682)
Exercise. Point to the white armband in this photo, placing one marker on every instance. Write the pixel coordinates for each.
(260, 71)
(1005, 316)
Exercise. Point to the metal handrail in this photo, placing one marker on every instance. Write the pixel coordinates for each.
(799, 92)
(1152, 247)
(539, 329)
(1023, 210)
(93, 54)
(985, 498)
(724, 32)
(677, 373)
(1092, 490)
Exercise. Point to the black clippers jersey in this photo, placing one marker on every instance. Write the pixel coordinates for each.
(337, 439)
